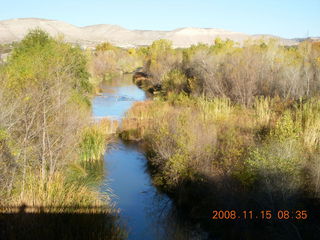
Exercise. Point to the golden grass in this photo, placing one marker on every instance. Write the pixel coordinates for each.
(308, 117)
(57, 192)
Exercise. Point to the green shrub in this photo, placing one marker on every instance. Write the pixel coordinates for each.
(286, 127)
(93, 143)
(280, 161)
(174, 81)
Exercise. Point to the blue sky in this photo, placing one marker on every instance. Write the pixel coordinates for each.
(285, 18)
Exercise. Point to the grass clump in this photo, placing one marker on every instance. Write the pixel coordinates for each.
(94, 139)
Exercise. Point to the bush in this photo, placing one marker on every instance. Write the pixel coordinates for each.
(175, 81)
(160, 60)
(277, 166)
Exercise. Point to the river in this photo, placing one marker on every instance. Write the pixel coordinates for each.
(146, 213)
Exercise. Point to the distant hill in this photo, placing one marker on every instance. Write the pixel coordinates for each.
(15, 29)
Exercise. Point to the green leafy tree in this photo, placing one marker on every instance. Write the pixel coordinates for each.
(44, 94)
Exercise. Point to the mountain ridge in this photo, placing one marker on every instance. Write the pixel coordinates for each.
(13, 30)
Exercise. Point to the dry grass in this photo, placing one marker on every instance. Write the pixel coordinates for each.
(57, 192)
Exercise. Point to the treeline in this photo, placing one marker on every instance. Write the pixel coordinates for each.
(108, 62)
(259, 68)
(234, 128)
(50, 150)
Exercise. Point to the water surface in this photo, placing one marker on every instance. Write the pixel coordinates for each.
(126, 173)
(146, 213)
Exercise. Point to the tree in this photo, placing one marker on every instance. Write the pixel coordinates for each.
(46, 82)
(161, 59)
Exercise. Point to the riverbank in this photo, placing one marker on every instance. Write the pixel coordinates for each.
(234, 129)
(216, 155)
(50, 150)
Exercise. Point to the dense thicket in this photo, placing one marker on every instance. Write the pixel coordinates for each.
(240, 73)
(234, 128)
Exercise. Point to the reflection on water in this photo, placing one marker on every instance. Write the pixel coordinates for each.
(146, 213)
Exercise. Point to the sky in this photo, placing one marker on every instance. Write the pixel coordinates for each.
(284, 18)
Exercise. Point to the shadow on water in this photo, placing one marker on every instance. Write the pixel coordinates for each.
(72, 222)
(146, 212)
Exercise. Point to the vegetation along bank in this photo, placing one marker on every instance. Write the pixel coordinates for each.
(50, 149)
(233, 128)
